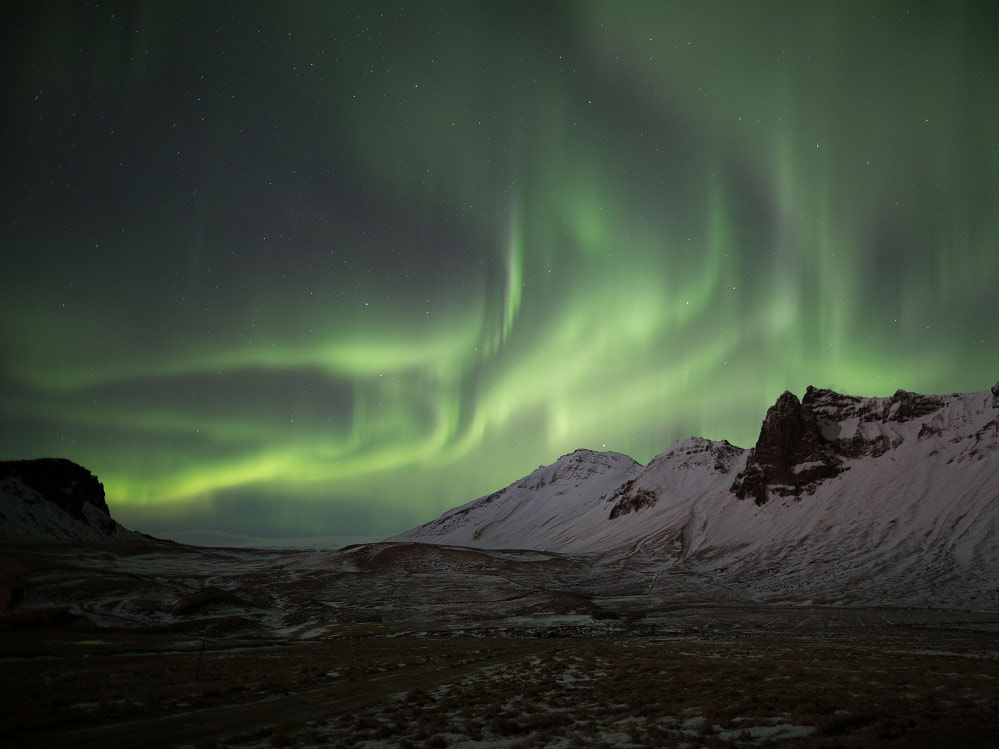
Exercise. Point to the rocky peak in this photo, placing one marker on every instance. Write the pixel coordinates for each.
(791, 456)
(789, 435)
(905, 406)
(700, 451)
(804, 443)
(832, 405)
(60, 481)
(902, 406)
(55, 499)
(786, 430)
(695, 455)
(585, 455)
(576, 466)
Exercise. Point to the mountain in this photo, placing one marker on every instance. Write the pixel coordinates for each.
(555, 507)
(589, 501)
(55, 499)
(843, 498)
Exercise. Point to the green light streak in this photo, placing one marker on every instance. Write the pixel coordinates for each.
(514, 276)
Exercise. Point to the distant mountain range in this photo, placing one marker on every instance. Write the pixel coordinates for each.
(843, 496)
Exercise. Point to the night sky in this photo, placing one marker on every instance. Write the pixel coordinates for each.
(327, 269)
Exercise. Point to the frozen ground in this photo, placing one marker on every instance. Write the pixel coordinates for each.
(412, 645)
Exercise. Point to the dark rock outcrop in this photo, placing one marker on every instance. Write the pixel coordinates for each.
(68, 486)
(627, 498)
(800, 446)
(905, 406)
(791, 456)
(61, 481)
(901, 407)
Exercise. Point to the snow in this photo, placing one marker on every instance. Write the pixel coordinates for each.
(551, 508)
(918, 524)
(759, 734)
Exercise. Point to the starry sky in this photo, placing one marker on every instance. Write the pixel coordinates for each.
(298, 269)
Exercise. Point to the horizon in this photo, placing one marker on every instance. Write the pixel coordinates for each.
(312, 273)
(224, 539)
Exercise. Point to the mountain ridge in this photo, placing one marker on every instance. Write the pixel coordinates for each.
(897, 493)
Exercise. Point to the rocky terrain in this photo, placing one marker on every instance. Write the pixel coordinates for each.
(400, 644)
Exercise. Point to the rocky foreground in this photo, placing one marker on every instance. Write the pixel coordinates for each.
(147, 644)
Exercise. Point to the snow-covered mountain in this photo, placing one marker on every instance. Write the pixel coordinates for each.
(589, 501)
(554, 507)
(55, 499)
(841, 496)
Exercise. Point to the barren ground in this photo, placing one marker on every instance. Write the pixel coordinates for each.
(222, 662)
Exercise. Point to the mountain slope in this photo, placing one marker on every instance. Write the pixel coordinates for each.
(898, 496)
(55, 499)
(842, 498)
(552, 507)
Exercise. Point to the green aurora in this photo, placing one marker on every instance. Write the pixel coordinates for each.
(308, 269)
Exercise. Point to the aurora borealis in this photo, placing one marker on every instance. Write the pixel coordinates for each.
(307, 269)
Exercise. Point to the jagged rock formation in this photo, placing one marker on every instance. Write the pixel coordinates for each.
(791, 456)
(54, 499)
(804, 443)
